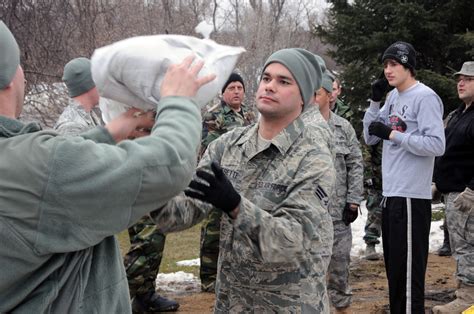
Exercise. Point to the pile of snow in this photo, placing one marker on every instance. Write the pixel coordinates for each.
(179, 282)
(358, 244)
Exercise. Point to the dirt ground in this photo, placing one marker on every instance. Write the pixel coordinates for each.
(369, 287)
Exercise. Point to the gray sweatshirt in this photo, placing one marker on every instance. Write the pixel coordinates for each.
(407, 161)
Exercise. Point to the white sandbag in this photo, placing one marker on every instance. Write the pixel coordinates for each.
(130, 71)
(111, 108)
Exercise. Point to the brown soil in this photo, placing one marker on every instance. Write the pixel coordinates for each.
(369, 286)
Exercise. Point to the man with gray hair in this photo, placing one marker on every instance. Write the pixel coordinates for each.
(454, 177)
(59, 212)
(271, 180)
(79, 115)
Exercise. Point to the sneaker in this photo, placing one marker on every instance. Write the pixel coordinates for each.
(370, 253)
(153, 303)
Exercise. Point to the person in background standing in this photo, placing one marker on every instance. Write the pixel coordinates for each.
(344, 202)
(454, 177)
(79, 115)
(411, 127)
(229, 114)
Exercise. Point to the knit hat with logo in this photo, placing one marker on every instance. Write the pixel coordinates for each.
(403, 53)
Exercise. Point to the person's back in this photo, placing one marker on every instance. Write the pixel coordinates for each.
(59, 211)
(454, 177)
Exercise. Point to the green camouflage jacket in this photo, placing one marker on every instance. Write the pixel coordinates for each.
(221, 119)
(274, 255)
(372, 155)
(343, 110)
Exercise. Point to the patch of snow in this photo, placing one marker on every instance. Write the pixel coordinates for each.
(189, 262)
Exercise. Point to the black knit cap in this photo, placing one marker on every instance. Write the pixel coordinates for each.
(403, 53)
(234, 77)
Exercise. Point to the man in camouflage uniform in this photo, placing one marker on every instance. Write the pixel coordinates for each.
(272, 180)
(313, 116)
(336, 104)
(229, 114)
(373, 186)
(79, 115)
(142, 264)
(143, 260)
(454, 177)
(344, 203)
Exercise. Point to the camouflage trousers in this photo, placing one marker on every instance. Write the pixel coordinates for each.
(340, 293)
(143, 260)
(210, 235)
(461, 238)
(373, 225)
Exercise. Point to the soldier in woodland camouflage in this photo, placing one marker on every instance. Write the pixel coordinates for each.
(344, 202)
(142, 264)
(373, 186)
(272, 181)
(229, 114)
(336, 104)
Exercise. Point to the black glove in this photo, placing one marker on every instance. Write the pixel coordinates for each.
(219, 192)
(379, 88)
(379, 129)
(349, 214)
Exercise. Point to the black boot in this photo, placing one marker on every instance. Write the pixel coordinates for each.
(152, 302)
(445, 250)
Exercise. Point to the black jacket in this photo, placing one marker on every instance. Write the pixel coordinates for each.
(455, 169)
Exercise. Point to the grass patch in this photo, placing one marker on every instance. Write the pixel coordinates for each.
(437, 215)
(179, 246)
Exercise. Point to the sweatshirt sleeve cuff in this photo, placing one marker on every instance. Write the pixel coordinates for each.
(398, 137)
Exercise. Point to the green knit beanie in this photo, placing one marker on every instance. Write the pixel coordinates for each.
(304, 67)
(327, 81)
(9, 56)
(327, 78)
(78, 77)
(321, 62)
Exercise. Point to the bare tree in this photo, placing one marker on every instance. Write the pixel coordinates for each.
(52, 32)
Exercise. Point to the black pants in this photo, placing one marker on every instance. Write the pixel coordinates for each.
(405, 230)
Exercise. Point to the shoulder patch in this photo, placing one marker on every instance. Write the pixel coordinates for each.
(321, 194)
